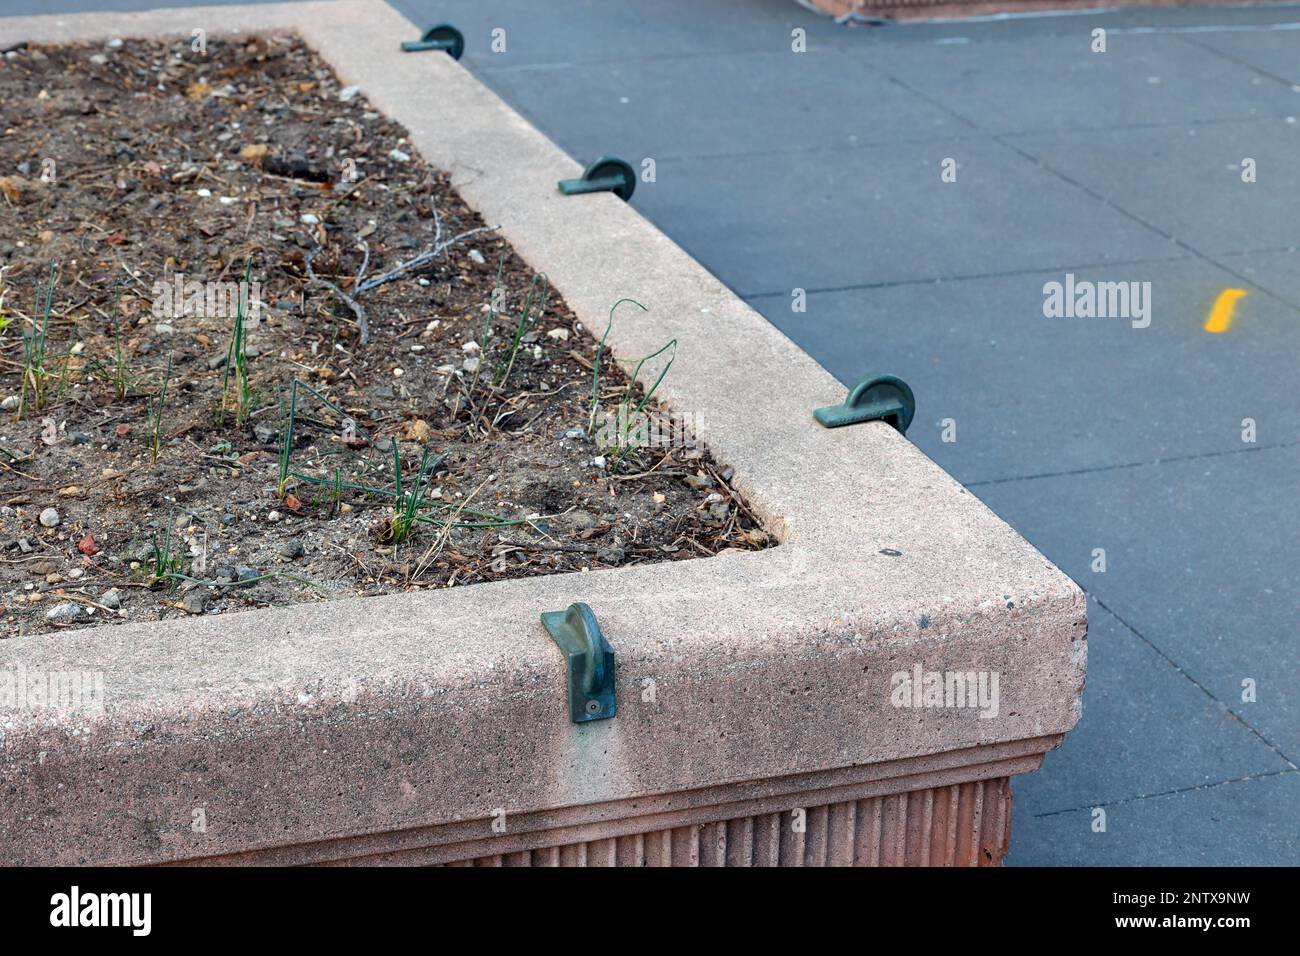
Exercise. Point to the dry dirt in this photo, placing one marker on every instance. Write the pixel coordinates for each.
(128, 165)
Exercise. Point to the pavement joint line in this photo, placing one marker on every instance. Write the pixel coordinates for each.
(1131, 127)
(963, 137)
(1289, 84)
(1295, 306)
(1105, 14)
(1196, 683)
(1172, 460)
(936, 280)
(1045, 270)
(1166, 793)
(1212, 28)
(1181, 243)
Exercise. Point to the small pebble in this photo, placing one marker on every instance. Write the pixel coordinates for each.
(293, 549)
(68, 612)
(11, 403)
(397, 156)
(50, 518)
(112, 598)
(196, 601)
(274, 516)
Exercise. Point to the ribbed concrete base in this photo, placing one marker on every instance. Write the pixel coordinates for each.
(967, 824)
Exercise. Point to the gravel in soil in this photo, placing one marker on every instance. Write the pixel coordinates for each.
(254, 351)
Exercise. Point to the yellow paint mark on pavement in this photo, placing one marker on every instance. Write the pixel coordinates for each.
(1220, 319)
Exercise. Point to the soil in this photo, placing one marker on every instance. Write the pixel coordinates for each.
(134, 163)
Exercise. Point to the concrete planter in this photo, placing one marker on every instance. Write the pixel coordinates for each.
(766, 707)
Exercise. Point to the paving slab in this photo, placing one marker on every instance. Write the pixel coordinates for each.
(882, 214)
(1243, 823)
(1271, 52)
(572, 32)
(1279, 272)
(1140, 80)
(1200, 561)
(1034, 395)
(759, 103)
(1187, 181)
(1124, 747)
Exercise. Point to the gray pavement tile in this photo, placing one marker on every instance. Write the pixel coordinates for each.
(1014, 83)
(1035, 395)
(1279, 272)
(722, 104)
(1200, 561)
(1244, 823)
(1187, 181)
(881, 214)
(580, 31)
(1275, 52)
(1145, 729)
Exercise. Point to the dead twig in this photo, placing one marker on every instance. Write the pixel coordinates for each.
(360, 287)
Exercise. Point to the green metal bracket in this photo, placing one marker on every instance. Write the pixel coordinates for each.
(875, 398)
(607, 174)
(590, 662)
(442, 37)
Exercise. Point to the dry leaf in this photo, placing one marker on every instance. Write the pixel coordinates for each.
(416, 430)
(12, 187)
